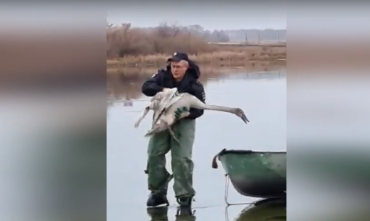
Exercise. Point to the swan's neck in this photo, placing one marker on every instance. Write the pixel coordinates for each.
(219, 108)
(196, 103)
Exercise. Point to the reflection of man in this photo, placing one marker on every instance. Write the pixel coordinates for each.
(127, 103)
(182, 74)
(161, 214)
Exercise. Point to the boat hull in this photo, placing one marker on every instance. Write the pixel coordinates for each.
(255, 174)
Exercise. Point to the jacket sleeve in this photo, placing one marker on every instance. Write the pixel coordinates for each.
(198, 91)
(153, 85)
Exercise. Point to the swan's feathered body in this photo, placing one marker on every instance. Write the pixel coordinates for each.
(158, 103)
(165, 113)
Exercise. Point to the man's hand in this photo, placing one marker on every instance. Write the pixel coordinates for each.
(181, 113)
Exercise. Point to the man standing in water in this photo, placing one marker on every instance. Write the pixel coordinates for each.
(182, 74)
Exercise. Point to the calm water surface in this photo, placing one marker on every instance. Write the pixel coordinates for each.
(263, 98)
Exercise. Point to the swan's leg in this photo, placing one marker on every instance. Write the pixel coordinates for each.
(173, 134)
(143, 114)
(161, 126)
(169, 120)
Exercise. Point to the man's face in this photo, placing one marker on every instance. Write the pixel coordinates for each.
(178, 69)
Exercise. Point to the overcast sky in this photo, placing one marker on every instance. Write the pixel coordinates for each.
(220, 16)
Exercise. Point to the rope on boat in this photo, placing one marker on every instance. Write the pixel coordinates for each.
(227, 179)
(214, 160)
(227, 183)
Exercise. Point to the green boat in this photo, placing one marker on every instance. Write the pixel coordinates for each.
(255, 174)
(263, 211)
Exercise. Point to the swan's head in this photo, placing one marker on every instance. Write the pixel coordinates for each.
(240, 113)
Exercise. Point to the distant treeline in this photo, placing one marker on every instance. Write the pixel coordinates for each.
(240, 35)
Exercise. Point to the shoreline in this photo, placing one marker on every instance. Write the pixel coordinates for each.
(126, 84)
(223, 56)
(147, 71)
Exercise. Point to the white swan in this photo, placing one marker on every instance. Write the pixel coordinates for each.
(170, 101)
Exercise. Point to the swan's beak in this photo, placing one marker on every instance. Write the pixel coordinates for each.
(245, 119)
(241, 114)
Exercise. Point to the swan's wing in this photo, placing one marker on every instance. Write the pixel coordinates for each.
(173, 100)
(156, 116)
(169, 95)
(160, 108)
(165, 102)
(158, 112)
(166, 105)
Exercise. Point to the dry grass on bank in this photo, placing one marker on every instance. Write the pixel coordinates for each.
(138, 47)
(236, 56)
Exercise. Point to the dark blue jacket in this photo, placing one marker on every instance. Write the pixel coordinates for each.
(189, 84)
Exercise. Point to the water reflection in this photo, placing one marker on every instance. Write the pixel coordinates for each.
(272, 210)
(124, 90)
(262, 210)
(161, 214)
